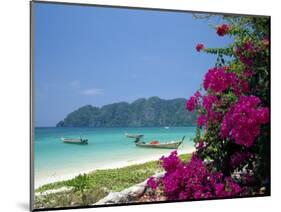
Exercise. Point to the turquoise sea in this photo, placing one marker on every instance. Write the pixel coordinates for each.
(107, 146)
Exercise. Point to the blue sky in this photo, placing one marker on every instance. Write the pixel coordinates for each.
(97, 56)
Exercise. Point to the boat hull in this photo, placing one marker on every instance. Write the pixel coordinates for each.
(134, 136)
(75, 141)
(173, 145)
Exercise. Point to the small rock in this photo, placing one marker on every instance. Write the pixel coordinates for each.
(127, 194)
(134, 191)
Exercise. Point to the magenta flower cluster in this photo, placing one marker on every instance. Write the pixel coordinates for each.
(247, 73)
(218, 80)
(207, 102)
(193, 180)
(238, 158)
(193, 101)
(152, 183)
(225, 106)
(222, 29)
(199, 47)
(228, 188)
(201, 120)
(243, 120)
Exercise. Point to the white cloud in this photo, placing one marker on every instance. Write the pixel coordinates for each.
(92, 92)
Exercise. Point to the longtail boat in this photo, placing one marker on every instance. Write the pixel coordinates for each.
(74, 140)
(157, 144)
(133, 135)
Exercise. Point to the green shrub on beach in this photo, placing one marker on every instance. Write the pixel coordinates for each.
(79, 183)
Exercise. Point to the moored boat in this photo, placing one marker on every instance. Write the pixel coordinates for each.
(133, 135)
(74, 140)
(163, 145)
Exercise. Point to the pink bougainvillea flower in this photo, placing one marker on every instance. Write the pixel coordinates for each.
(247, 73)
(244, 86)
(218, 80)
(193, 180)
(222, 29)
(238, 158)
(243, 120)
(152, 183)
(199, 47)
(245, 60)
(192, 102)
(208, 102)
(197, 94)
(249, 47)
(201, 120)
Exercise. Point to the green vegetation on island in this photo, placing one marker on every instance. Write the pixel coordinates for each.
(140, 113)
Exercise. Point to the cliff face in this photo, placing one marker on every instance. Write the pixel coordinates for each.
(141, 113)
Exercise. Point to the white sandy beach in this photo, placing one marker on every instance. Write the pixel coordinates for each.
(118, 164)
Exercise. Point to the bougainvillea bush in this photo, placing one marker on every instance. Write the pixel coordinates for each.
(232, 138)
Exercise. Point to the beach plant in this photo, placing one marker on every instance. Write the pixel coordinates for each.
(232, 135)
(80, 184)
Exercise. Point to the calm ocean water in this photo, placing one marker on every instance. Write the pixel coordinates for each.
(106, 146)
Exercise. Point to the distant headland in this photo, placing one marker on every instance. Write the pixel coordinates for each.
(140, 113)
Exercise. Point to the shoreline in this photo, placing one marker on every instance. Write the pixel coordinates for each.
(52, 179)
